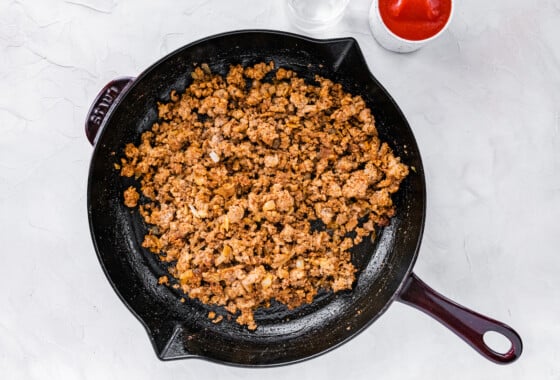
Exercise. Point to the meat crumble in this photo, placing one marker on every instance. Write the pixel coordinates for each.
(236, 170)
(131, 197)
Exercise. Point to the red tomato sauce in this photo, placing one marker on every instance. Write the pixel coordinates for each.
(415, 19)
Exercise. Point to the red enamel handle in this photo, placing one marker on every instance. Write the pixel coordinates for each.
(103, 104)
(467, 324)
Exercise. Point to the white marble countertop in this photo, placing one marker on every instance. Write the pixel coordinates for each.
(483, 101)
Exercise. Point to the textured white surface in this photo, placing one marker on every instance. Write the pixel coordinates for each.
(483, 101)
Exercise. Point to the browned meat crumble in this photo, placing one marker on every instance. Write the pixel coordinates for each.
(131, 197)
(236, 173)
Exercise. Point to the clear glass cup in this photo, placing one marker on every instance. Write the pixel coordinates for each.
(312, 15)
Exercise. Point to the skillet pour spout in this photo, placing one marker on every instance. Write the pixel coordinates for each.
(127, 107)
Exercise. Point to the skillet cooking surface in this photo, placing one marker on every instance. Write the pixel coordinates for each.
(180, 330)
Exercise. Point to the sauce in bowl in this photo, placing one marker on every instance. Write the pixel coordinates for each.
(415, 20)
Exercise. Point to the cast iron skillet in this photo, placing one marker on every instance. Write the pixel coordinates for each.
(126, 107)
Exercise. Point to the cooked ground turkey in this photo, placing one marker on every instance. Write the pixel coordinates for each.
(238, 167)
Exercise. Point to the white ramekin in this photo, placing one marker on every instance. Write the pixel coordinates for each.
(389, 40)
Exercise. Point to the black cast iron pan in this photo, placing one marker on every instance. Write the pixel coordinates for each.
(126, 107)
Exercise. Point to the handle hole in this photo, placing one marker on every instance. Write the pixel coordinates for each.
(497, 342)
